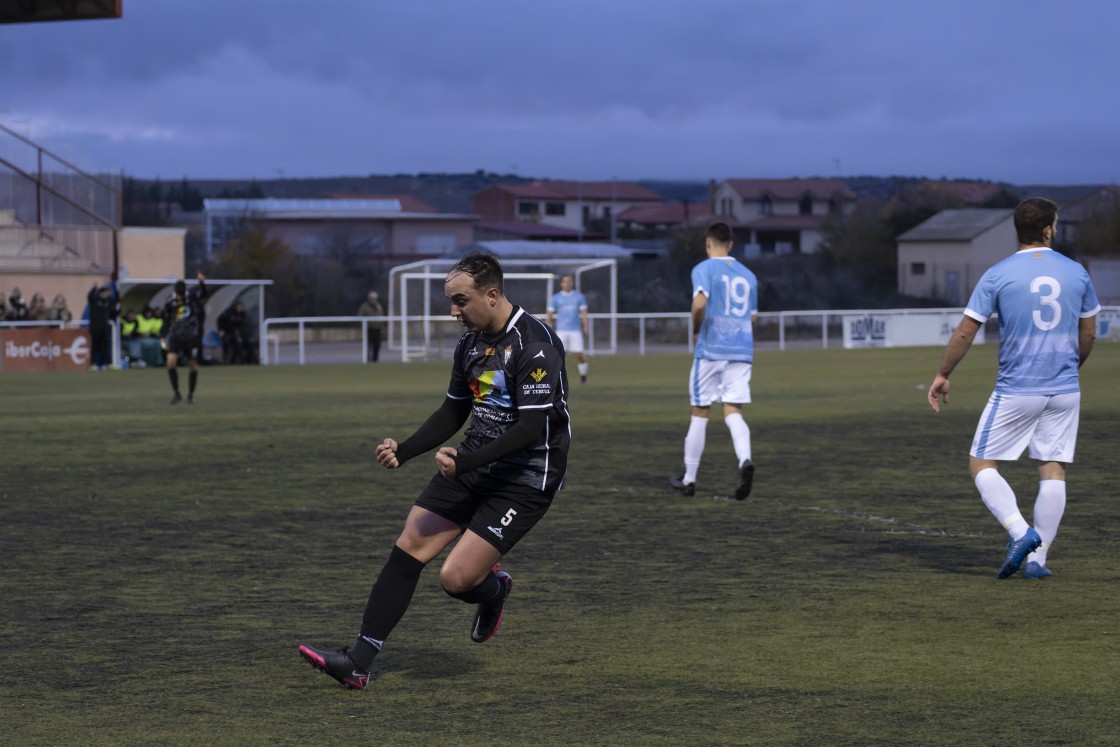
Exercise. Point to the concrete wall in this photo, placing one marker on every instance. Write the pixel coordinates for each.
(144, 253)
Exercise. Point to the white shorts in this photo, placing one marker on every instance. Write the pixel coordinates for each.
(719, 381)
(572, 339)
(1046, 423)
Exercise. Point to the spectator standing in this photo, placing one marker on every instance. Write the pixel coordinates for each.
(17, 309)
(37, 310)
(231, 330)
(104, 307)
(372, 307)
(59, 311)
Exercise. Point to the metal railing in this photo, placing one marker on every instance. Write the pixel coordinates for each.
(344, 339)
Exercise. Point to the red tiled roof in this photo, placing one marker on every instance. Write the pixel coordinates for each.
(409, 204)
(792, 189)
(565, 190)
(668, 213)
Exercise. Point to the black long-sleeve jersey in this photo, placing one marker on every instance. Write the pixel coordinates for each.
(520, 369)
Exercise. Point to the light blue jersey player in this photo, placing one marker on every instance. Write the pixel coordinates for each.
(724, 307)
(567, 311)
(1047, 311)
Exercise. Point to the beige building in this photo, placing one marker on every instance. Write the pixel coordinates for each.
(569, 208)
(381, 228)
(779, 216)
(35, 264)
(944, 257)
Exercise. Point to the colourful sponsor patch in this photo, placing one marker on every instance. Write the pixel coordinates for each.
(490, 388)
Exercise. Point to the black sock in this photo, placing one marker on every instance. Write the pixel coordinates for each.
(490, 590)
(192, 379)
(388, 600)
(173, 374)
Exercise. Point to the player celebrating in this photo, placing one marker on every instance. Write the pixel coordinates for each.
(1047, 311)
(569, 308)
(183, 317)
(724, 307)
(509, 373)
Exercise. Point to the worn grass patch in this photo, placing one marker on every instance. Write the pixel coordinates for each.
(162, 564)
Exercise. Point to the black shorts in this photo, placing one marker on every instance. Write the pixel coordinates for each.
(185, 349)
(499, 511)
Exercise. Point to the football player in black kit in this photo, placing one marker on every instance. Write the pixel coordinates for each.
(183, 317)
(508, 374)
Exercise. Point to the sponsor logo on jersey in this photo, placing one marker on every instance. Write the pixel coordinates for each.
(539, 374)
(490, 388)
(497, 532)
(490, 352)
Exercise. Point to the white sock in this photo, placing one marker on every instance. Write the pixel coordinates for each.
(694, 447)
(582, 369)
(1000, 500)
(1048, 509)
(740, 436)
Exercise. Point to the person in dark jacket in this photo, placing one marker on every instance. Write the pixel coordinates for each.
(104, 307)
(231, 329)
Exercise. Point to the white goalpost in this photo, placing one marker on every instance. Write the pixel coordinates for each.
(422, 326)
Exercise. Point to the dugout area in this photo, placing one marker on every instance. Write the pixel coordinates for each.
(222, 294)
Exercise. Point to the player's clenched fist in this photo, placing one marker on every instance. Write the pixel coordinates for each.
(387, 454)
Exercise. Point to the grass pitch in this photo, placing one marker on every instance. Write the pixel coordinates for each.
(162, 564)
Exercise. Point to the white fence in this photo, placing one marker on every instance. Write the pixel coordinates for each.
(344, 339)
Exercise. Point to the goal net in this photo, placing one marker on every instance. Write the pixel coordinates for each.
(422, 327)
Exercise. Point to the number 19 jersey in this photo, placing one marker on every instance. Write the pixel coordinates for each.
(1040, 297)
(732, 290)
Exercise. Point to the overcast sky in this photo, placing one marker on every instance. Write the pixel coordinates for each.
(1022, 91)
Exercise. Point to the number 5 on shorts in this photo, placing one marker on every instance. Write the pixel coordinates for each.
(508, 518)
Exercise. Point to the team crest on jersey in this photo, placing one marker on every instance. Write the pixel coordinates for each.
(539, 374)
(508, 353)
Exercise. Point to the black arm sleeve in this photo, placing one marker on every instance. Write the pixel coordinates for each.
(525, 431)
(440, 426)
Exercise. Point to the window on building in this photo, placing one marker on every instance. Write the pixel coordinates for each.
(806, 206)
(766, 205)
(555, 208)
(917, 268)
(528, 209)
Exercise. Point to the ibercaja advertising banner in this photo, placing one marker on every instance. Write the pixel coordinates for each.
(44, 349)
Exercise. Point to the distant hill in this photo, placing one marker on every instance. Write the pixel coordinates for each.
(451, 193)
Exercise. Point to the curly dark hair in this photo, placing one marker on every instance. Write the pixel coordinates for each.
(1032, 217)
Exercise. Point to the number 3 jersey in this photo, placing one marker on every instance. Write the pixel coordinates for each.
(1040, 297)
(520, 369)
(732, 290)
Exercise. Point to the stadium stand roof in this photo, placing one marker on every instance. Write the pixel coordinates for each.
(35, 11)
